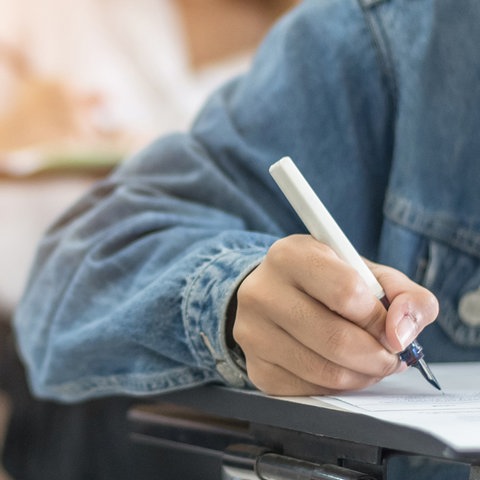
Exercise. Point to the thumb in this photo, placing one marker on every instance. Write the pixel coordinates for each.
(412, 307)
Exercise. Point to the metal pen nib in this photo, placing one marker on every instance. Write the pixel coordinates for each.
(413, 357)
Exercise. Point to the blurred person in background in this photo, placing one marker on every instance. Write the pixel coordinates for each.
(86, 83)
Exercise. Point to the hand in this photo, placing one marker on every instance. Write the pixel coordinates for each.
(308, 324)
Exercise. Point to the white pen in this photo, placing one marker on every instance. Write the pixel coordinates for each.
(323, 227)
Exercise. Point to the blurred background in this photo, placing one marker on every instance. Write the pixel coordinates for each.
(86, 83)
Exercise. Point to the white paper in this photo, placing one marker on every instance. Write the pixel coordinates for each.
(452, 415)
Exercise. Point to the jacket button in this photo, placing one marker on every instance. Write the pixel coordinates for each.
(469, 308)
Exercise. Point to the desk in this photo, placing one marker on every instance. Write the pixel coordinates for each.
(235, 428)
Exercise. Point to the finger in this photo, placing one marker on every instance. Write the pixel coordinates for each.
(321, 274)
(352, 370)
(325, 332)
(337, 340)
(412, 307)
(274, 380)
(277, 380)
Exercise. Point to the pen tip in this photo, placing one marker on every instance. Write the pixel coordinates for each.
(433, 381)
(427, 373)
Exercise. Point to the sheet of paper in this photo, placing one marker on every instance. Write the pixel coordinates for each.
(452, 415)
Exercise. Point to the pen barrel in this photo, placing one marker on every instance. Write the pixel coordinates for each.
(384, 301)
(323, 227)
(317, 219)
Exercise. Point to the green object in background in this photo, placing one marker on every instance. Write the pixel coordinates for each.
(23, 163)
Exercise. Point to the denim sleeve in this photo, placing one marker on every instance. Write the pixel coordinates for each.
(130, 287)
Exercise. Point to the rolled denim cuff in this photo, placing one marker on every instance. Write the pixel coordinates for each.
(205, 306)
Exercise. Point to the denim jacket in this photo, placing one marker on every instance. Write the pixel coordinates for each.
(377, 102)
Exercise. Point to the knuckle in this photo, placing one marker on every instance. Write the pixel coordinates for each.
(252, 293)
(337, 341)
(247, 291)
(309, 363)
(348, 293)
(243, 334)
(335, 377)
(281, 251)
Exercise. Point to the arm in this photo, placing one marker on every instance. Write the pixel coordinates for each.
(130, 288)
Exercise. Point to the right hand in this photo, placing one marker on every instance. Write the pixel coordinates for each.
(308, 324)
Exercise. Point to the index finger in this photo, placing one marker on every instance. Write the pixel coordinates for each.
(322, 275)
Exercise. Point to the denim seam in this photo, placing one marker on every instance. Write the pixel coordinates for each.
(437, 225)
(381, 45)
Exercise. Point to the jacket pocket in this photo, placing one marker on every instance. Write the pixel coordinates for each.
(444, 257)
(454, 277)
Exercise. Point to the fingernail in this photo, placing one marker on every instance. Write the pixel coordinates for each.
(406, 330)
